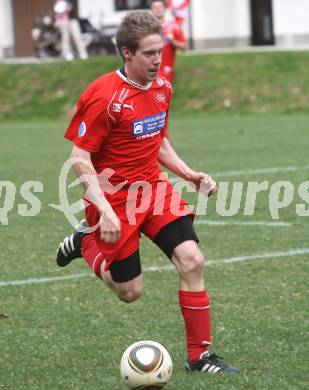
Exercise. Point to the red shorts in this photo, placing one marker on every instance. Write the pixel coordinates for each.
(140, 209)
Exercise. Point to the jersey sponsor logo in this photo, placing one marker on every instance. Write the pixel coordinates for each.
(82, 129)
(160, 97)
(116, 107)
(149, 126)
(129, 106)
(160, 81)
(138, 128)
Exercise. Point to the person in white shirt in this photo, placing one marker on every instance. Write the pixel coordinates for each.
(69, 28)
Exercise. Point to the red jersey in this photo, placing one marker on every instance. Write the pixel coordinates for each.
(169, 51)
(122, 124)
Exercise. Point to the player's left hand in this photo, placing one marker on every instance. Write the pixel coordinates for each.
(170, 36)
(204, 183)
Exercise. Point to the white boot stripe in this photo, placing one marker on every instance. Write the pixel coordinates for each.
(63, 249)
(71, 242)
(66, 243)
(216, 370)
(205, 367)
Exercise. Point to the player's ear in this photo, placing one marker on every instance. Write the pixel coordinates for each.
(127, 55)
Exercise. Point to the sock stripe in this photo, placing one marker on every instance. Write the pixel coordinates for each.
(196, 307)
(206, 343)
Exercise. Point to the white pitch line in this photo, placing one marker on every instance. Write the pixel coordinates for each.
(242, 223)
(240, 259)
(42, 280)
(261, 170)
(251, 172)
(169, 267)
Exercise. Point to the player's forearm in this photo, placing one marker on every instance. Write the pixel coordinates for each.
(170, 160)
(85, 171)
(179, 45)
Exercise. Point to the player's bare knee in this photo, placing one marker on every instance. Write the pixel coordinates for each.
(192, 263)
(131, 295)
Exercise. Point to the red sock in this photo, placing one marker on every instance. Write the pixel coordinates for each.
(195, 310)
(92, 254)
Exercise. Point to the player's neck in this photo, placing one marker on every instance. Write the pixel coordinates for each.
(132, 76)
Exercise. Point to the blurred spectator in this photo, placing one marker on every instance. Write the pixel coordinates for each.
(45, 36)
(173, 37)
(69, 27)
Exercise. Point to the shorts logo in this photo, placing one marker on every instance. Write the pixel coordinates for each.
(149, 126)
(160, 97)
(116, 107)
(82, 129)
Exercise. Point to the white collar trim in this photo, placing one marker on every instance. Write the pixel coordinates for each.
(143, 87)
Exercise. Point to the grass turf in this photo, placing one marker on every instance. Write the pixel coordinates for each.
(258, 82)
(71, 334)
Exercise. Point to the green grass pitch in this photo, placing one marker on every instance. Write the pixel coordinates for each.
(70, 334)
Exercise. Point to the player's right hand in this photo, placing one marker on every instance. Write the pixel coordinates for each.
(110, 228)
(169, 36)
(203, 183)
(208, 186)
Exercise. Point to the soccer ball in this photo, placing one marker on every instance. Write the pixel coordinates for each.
(146, 365)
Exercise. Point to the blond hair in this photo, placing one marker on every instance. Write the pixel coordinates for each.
(135, 26)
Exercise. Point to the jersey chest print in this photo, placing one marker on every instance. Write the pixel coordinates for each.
(141, 114)
(148, 126)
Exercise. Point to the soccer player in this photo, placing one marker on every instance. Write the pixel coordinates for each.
(173, 38)
(120, 127)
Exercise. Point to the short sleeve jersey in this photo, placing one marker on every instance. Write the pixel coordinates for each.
(122, 124)
(169, 51)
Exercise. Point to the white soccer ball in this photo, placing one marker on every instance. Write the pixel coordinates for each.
(146, 365)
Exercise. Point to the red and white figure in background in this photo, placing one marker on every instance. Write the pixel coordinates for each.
(173, 37)
(179, 9)
(67, 23)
